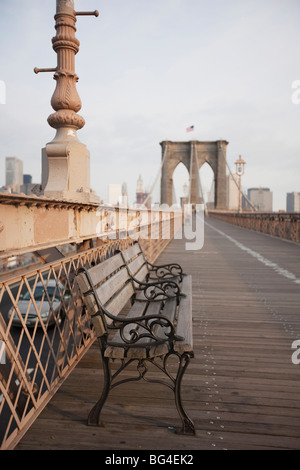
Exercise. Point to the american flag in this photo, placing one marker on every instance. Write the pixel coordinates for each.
(190, 129)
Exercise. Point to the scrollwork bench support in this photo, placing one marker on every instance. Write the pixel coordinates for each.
(135, 327)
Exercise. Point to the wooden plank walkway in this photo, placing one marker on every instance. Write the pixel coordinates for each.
(242, 388)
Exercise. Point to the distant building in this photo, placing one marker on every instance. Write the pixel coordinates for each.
(293, 202)
(27, 179)
(261, 198)
(114, 194)
(124, 201)
(5, 188)
(27, 185)
(13, 173)
(232, 192)
(141, 195)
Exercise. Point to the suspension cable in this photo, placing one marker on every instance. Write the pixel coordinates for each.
(157, 176)
(235, 182)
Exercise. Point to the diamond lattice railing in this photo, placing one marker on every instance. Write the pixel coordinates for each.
(45, 331)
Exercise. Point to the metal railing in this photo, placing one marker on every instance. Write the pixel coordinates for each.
(45, 331)
(278, 224)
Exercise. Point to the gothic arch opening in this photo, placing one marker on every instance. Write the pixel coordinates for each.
(181, 184)
(207, 180)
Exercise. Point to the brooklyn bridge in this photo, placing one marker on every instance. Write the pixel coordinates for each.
(242, 385)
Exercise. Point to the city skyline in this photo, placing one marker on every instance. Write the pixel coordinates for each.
(260, 199)
(228, 70)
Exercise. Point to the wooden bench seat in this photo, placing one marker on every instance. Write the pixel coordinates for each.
(139, 313)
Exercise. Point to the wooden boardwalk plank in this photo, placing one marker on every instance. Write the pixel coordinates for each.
(241, 389)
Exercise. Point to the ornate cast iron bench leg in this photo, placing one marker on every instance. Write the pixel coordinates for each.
(94, 415)
(188, 426)
(184, 360)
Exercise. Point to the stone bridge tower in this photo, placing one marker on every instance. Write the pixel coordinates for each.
(193, 154)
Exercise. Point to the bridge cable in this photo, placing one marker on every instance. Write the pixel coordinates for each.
(157, 176)
(235, 182)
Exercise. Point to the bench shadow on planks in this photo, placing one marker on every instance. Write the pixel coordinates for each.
(156, 325)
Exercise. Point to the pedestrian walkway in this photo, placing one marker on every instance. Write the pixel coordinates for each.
(241, 389)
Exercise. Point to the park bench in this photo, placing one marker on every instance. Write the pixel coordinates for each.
(141, 314)
(142, 269)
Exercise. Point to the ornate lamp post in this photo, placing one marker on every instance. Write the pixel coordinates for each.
(240, 170)
(65, 160)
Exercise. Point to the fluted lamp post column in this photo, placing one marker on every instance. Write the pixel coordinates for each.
(240, 170)
(65, 160)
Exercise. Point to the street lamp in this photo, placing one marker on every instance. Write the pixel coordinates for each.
(240, 170)
(67, 172)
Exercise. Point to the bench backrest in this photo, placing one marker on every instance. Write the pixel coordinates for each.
(113, 286)
(136, 262)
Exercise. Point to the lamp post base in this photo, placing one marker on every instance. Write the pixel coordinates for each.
(66, 169)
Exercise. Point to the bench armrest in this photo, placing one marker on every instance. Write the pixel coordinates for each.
(158, 290)
(135, 329)
(165, 271)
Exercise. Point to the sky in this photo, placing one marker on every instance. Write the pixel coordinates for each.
(147, 70)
